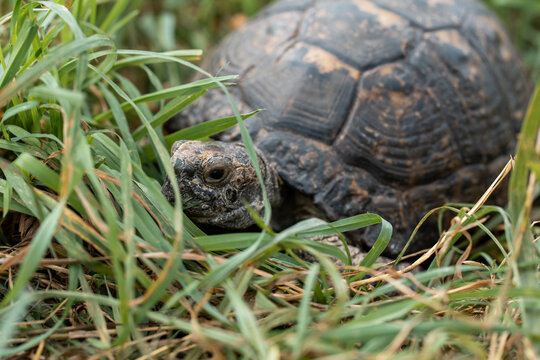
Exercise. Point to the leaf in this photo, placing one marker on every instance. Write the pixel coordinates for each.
(175, 91)
(172, 108)
(150, 59)
(303, 317)
(380, 244)
(14, 110)
(56, 56)
(9, 320)
(64, 13)
(205, 129)
(247, 322)
(18, 55)
(198, 132)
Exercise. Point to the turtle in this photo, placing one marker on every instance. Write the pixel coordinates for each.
(393, 107)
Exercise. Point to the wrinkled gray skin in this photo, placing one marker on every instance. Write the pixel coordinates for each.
(216, 180)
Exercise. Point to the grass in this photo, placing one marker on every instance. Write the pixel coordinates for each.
(95, 263)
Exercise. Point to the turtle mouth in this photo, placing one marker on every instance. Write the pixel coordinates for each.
(238, 218)
(191, 202)
(199, 210)
(219, 211)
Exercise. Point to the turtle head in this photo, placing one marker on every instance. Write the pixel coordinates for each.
(217, 180)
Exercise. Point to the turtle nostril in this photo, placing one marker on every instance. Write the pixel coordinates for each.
(232, 195)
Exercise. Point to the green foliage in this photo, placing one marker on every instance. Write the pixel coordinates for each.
(522, 18)
(199, 23)
(89, 243)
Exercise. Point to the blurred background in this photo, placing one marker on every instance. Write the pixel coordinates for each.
(163, 25)
(170, 24)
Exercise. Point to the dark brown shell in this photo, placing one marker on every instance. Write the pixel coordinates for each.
(388, 106)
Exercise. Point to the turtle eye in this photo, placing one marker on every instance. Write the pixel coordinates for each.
(216, 175)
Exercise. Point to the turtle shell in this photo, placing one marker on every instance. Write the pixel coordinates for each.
(388, 106)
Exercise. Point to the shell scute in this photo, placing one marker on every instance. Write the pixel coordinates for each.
(475, 108)
(358, 33)
(491, 42)
(395, 128)
(429, 14)
(290, 83)
(253, 42)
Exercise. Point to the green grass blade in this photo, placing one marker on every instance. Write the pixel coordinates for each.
(206, 129)
(198, 132)
(18, 56)
(224, 242)
(168, 111)
(9, 320)
(247, 323)
(175, 91)
(22, 107)
(6, 192)
(68, 98)
(343, 225)
(68, 18)
(114, 14)
(150, 59)
(525, 251)
(380, 244)
(304, 318)
(38, 246)
(121, 121)
(55, 57)
(35, 167)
